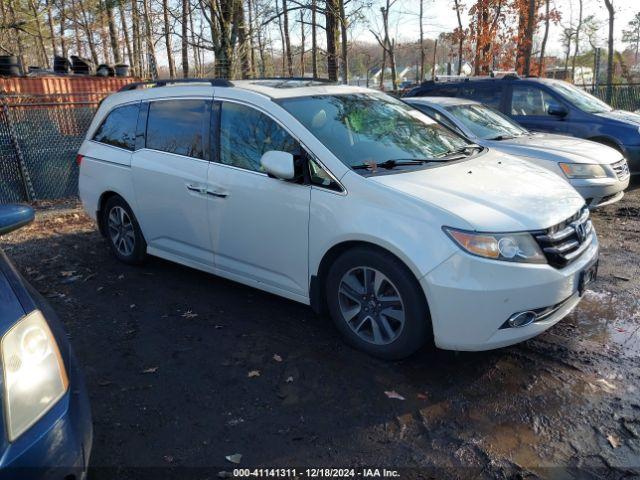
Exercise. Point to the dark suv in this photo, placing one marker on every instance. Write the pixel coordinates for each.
(548, 106)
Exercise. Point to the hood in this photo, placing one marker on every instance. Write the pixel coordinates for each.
(493, 192)
(623, 116)
(558, 148)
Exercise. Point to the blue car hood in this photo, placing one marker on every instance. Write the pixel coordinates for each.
(11, 309)
(623, 116)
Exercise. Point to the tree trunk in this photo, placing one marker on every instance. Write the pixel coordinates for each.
(609, 5)
(433, 67)
(104, 32)
(461, 39)
(54, 47)
(302, 40)
(287, 39)
(528, 33)
(125, 31)
(18, 37)
(421, 16)
(314, 40)
(44, 58)
(252, 53)
(88, 32)
(577, 43)
(344, 53)
(242, 40)
(63, 44)
(331, 29)
(113, 32)
(167, 39)
(183, 39)
(544, 39)
(148, 34)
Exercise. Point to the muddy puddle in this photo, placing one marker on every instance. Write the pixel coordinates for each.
(610, 320)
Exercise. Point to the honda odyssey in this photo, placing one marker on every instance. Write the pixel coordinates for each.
(342, 198)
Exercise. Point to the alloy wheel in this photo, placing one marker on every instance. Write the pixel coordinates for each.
(371, 305)
(121, 231)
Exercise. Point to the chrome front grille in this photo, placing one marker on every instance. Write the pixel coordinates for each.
(565, 242)
(621, 168)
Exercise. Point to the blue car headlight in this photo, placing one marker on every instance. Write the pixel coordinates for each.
(34, 374)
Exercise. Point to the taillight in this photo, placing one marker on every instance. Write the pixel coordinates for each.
(79, 159)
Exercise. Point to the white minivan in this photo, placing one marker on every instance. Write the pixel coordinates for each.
(342, 198)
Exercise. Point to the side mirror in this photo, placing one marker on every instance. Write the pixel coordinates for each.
(13, 217)
(278, 164)
(557, 111)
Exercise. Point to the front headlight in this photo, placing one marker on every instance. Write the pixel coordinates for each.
(34, 374)
(509, 247)
(583, 170)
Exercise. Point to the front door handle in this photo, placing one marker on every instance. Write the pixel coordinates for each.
(213, 193)
(194, 188)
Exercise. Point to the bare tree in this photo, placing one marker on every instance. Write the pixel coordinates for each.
(388, 45)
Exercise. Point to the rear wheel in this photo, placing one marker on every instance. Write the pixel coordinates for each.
(123, 232)
(377, 304)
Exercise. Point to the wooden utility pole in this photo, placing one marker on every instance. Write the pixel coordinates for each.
(609, 5)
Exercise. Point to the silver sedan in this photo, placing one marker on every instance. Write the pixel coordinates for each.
(598, 172)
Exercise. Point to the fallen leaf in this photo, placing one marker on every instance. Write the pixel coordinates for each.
(253, 373)
(150, 370)
(67, 273)
(133, 305)
(606, 386)
(121, 276)
(168, 458)
(189, 314)
(104, 383)
(289, 380)
(421, 396)
(235, 458)
(613, 440)
(277, 357)
(99, 289)
(393, 394)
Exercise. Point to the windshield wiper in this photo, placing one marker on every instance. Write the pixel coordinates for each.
(389, 164)
(461, 150)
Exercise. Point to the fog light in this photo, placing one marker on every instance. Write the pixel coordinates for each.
(522, 319)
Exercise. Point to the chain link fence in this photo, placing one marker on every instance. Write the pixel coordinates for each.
(624, 96)
(39, 138)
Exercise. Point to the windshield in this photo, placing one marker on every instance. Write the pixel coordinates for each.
(485, 122)
(581, 99)
(372, 128)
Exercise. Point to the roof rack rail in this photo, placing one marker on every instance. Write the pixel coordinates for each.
(214, 82)
(296, 79)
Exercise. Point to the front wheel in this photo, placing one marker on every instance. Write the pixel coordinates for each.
(123, 232)
(377, 304)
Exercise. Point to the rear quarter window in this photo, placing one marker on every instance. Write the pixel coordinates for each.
(118, 129)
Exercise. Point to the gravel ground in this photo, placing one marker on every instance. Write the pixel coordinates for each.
(184, 369)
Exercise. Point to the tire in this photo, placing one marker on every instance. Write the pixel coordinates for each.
(122, 232)
(366, 329)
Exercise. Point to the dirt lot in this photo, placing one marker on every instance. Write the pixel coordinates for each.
(185, 369)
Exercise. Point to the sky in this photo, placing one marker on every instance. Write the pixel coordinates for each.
(440, 17)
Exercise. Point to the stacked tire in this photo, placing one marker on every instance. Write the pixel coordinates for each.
(9, 66)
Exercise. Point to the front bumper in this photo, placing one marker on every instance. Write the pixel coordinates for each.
(470, 298)
(599, 192)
